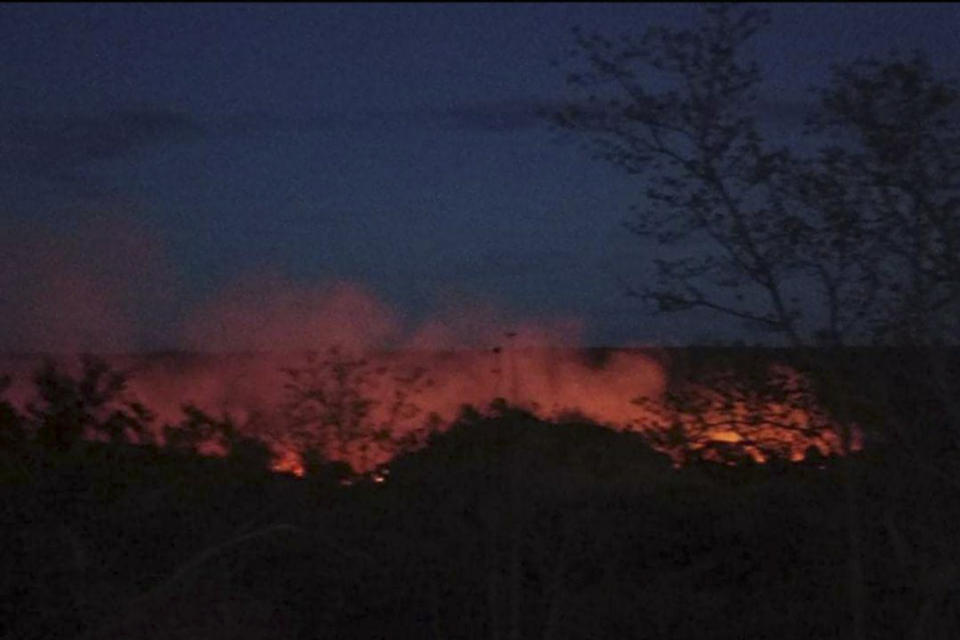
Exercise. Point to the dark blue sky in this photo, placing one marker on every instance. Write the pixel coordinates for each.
(390, 145)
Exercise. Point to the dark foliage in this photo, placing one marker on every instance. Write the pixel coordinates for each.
(503, 526)
(841, 233)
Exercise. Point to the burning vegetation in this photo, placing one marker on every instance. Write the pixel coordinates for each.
(513, 518)
(365, 408)
(316, 468)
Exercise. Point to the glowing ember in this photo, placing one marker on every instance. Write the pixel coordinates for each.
(287, 461)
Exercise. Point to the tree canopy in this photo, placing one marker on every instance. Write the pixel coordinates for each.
(843, 231)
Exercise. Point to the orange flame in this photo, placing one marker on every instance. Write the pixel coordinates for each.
(399, 396)
(401, 392)
(369, 391)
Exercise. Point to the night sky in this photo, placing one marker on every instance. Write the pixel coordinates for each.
(154, 157)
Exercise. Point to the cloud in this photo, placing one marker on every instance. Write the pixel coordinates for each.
(500, 262)
(253, 123)
(60, 149)
(66, 289)
(266, 312)
(501, 116)
(516, 115)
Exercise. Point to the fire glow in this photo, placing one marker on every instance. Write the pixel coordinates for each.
(363, 408)
(345, 381)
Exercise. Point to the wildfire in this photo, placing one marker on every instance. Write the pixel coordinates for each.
(288, 461)
(362, 408)
(374, 386)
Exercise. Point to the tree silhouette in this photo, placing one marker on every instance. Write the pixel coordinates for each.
(848, 235)
(13, 438)
(93, 405)
(869, 222)
(348, 406)
(12, 432)
(886, 198)
(740, 410)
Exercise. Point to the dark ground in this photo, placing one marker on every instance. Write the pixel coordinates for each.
(503, 527)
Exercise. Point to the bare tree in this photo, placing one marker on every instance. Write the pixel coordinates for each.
(884, 196)
(869, 222)
(850, 237)
(340, 404)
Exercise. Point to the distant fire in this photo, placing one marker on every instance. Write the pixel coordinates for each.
(287, 461)
(362, 408)
(332, 369)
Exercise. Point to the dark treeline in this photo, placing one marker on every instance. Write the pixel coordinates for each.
(501, 527)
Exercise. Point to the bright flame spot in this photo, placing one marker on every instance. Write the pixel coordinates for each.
(404, 391)
(726, 436)
(288, 461)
